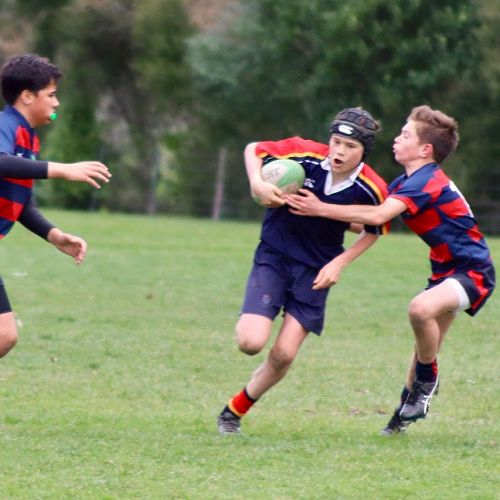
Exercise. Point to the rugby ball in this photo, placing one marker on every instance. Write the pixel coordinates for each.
(286, 174)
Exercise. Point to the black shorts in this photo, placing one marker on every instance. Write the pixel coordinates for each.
(478, 283)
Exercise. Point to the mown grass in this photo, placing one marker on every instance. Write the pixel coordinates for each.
(123, 364)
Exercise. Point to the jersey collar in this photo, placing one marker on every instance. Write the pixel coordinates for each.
(329, 187)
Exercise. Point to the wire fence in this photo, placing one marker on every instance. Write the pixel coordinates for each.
(488, 217)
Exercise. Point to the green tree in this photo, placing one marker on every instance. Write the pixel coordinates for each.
(284, 67)
(269, 69)
(127, 87)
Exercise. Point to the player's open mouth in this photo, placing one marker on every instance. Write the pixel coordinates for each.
(337, 162)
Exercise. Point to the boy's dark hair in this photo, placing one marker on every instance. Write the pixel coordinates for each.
(436, 128)
(358, 124)
(26, 72)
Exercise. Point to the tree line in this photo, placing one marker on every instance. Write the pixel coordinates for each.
(169, 104)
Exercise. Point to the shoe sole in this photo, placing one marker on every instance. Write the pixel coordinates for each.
(383, 432)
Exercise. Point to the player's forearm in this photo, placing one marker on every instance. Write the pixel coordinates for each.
(54, 236)
(32, 219)
(57, 170)
(20, 168)
(359, 247)
(359, 214)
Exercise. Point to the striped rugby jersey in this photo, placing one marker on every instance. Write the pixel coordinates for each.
(439, 214)
(315, 241)
(17, 138)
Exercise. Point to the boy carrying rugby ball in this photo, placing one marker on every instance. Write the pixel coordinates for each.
(298, 259)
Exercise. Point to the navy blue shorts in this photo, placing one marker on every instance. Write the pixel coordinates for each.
(277, 282)
(4, 300)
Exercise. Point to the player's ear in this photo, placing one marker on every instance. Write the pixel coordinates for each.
(26, 97)
(427, 150)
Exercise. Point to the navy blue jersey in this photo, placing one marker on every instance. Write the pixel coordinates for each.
(17, 138)
(315, 241)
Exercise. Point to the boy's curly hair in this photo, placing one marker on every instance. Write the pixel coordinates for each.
(26, 72)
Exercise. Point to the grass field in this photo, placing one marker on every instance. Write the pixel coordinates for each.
(124, 362)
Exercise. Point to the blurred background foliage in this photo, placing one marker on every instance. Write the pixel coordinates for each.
(168, 92)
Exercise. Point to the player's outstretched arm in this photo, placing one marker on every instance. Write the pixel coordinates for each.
(307, 204)
(329, 274)
(69, 244)
(32, 219)
(91, 172)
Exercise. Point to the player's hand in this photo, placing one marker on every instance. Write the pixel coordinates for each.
(267, 194)
(67, 243)
(328, 276)
(304, 203)
(91, 172)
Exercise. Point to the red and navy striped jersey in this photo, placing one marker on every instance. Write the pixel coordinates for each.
(315, 241)
(17, 138)
(440, 215)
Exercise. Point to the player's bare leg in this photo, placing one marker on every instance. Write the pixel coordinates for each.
(396, 424)
(444, 322)
(430, 318)
(277, 364)
(280, 358)
(8, 333)
(410, 372)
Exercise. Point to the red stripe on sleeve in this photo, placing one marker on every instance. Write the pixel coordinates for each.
(412, 207)
(293, 146)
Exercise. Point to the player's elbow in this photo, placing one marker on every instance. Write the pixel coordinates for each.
(377, 219)
(250, 148)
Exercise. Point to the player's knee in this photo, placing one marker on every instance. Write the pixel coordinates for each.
(8, 339)
(419, 311)
(247, 340)
(246, 343)
(281, 358)
(252, 333)
(248, 346)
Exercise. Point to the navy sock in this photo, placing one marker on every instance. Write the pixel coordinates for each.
(404, 395)
(427, 372)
